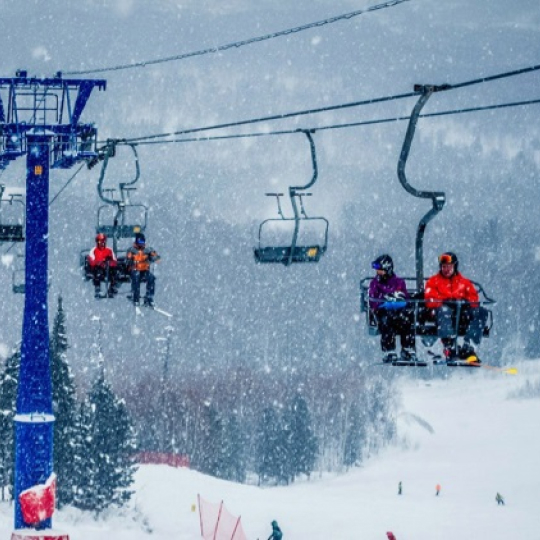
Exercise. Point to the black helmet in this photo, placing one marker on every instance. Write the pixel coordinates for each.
(384, 262)
(449, 258)
(140, 239)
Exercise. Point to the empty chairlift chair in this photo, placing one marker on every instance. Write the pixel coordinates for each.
(298, 239)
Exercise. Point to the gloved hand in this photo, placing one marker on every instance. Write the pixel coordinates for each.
(394, 297)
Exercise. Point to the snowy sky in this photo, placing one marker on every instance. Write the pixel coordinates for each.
(481, 442)
(465, 433)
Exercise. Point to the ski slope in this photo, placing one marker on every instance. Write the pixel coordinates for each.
(464, 433)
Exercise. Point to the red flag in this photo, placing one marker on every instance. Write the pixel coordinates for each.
(37, 502)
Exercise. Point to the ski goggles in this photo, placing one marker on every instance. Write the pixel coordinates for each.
(446, 259)
(376, 266)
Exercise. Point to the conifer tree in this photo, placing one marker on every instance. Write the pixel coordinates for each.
(302, 443)
(211, 443)
(233, 453)
(107, 439)
(84, 471)
(8, 403)
(355, 437)
(65, 408)
(270, 446)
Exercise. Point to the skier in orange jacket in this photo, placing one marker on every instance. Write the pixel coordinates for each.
(448, 294)
(138, 259)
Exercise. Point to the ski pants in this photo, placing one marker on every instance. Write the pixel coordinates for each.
(103, 273)
(137, 277)
(394, 322)
(471, 321)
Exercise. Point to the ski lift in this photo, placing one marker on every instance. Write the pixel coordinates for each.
(12, 217)
(300, 247)
(118, 218)
(424, 326)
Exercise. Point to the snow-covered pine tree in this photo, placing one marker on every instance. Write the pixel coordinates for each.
(301, 442)
(355, 437)
(106, 468)
(210, 447)
(271, 447)
(234, 451)
(65, 409)
(8, 399)
(84, 471)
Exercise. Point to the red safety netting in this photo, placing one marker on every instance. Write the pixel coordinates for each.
(217, 523)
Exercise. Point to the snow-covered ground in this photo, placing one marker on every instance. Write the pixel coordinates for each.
(464, 434)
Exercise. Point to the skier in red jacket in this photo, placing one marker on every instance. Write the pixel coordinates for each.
(447, 294)
(103, 263)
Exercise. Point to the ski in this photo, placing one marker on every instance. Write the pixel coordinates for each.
(140, 307)
(160, 311)
(471, 362)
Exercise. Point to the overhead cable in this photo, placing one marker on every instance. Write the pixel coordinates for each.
(341, 126)
(238, 44)
(282, 116)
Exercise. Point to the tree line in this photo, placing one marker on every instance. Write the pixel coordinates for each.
(94, 439)
(246, 423)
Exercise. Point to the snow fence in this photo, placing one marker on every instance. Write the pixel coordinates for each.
(217, 523)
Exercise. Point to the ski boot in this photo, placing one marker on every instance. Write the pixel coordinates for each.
(390, 358)
(97, 292)
(409, 358)
(148, 302)
(468, 354)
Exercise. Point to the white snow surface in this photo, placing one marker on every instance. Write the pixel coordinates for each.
(464, 433)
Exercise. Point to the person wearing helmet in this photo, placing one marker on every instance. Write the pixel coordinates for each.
(138, 260)
(388, 302)
(276, 531)
(102, 262)
(448, 293)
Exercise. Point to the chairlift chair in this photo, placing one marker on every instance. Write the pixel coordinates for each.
(12, 217)
(118, 218)
(298, 250)
(424, 326)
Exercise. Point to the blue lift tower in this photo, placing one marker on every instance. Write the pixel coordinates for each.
(39, 118)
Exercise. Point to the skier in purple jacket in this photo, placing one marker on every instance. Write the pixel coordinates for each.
(388, 301)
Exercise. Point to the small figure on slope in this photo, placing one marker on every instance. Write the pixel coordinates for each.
(102, 262)
(499, 499)
(276, 532)
(437, 489)
(400, 489)
(138, 260)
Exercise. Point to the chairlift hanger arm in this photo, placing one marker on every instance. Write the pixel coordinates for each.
(438, 198)
(308, 134)
(110, 151)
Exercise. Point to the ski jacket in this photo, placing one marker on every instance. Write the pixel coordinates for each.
(139, 260)
(380, 289)
(276, 534)
(98, 256)
(456, 287)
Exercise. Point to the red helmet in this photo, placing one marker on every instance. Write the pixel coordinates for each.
(101, 238)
